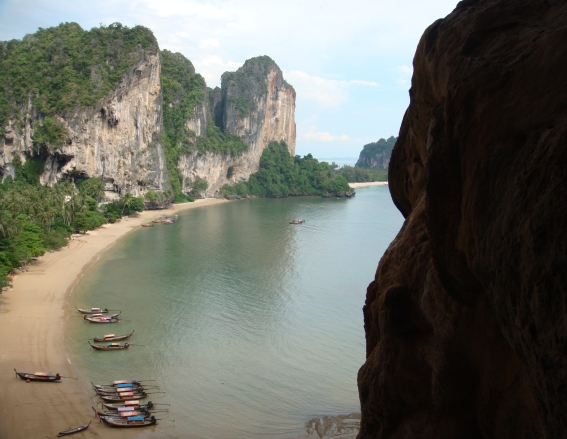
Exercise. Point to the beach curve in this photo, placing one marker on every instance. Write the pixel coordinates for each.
(33, 316)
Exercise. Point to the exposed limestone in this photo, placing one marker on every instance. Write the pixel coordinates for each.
(118, 141)
(269, 115)
(466, 321)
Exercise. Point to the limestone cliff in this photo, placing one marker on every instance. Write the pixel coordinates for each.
(255, 104)
(109, 104)
(466, 318)
(376, 155)
(117, 140)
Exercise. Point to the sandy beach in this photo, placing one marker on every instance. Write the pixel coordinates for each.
(33, 317)
(367, 184)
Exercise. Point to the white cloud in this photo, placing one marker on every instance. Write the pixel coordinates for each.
(209, 44)
(212, 67)
(324, 136)
(404, 75)
(327, 92)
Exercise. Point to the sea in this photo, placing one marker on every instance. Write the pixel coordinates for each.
(251, 327)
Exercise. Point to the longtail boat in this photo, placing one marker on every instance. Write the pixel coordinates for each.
(112, 337)
(92, 310)
(122, 387)
(147, 224)
(109, 346)
(120, 392)
(132, 421)
(122, 413)
(126, 396)
(73, 430)
(129, 405)
(102, 319)
(39, 376)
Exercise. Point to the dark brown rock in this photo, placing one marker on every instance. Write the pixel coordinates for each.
(466, 320)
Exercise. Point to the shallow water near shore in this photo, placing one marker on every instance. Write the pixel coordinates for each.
(251, 326)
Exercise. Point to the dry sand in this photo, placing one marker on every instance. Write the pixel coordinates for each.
(32, 324)
(369, 183)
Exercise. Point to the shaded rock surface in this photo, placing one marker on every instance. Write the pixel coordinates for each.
(466, 320)
(376, 155)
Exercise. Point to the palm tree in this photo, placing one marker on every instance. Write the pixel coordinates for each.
(126, 201)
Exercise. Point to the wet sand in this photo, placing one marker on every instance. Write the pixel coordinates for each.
(33, 317)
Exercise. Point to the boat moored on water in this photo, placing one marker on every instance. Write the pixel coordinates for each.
(297, 221)
(92, 310)
(109, 346)
(132, 421)
(148, 224)
(129, 405)
(99, 318)
(112, 337)
(45, 377)
(126, 396)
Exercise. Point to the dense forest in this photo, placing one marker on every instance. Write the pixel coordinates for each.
(281, 175)
(35, 218)
(376, 155)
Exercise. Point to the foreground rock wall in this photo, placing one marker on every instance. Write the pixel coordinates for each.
(466, 320)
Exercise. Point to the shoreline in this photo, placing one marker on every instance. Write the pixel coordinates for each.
(368, 184)
(33, 317)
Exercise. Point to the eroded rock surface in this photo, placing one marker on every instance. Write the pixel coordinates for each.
(466, 320)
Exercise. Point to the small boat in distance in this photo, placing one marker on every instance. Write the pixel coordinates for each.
(39, 376)
(170, 220)
(297, 221)
(73, 430)
(92, 310)
(126, 396)
(129, 405)
(109, 346)
(112, 337)
(148, 224)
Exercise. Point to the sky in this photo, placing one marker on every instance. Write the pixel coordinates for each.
(350, 62)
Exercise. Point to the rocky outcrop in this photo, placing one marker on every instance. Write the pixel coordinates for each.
(466, 321)
(377, 155)
(254, 103)
(117, 141)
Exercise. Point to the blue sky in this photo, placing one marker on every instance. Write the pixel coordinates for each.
(349, 61)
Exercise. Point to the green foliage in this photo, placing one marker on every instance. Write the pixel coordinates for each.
(219, 142)
(381, 150)
(64, 67)
(281, 175)
(355, 174)
(93, 187)
(112, 211)
(153, 200)
(197, 188)
(50, 133)
(247, 83)
(89, 220)
(183, 90)
(29, 171)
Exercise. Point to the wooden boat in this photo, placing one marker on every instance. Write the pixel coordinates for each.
(112, 337)
(132, 421)
(122, 388)
(73, 430)
(126, 396)
(297, 221)
(102, 319)
(109, 346)
(92, 310)
(122, 413)
(147, 224)
(117, 392)
(129, 405)
(39, 376)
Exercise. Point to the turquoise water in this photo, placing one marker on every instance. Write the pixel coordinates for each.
(251, 326)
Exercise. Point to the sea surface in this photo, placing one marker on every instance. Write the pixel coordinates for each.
(251, 326)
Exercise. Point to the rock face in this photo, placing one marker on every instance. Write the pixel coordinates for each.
(117, 141)
(254, 103)
(377, 155)
(466, 320)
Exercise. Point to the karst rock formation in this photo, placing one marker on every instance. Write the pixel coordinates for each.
(466, 320)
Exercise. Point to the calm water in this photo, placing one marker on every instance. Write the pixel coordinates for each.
(234, 294)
